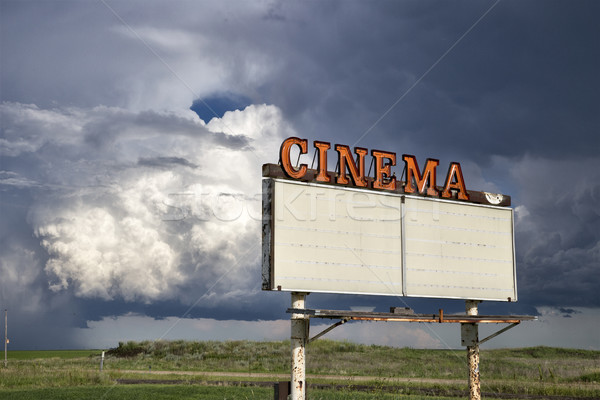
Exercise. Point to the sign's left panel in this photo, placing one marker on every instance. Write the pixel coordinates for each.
(331, 239)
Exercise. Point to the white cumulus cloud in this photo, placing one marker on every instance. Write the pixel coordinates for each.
(146, 206)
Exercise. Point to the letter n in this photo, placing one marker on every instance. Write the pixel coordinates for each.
(345, 158)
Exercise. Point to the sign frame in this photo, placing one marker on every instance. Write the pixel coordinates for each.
(269, 227)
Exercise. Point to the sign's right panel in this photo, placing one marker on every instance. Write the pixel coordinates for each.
(458, 250)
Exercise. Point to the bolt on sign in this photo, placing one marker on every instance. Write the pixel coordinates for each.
(347, 231)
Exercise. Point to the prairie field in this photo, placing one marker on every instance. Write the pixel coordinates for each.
(335, 370)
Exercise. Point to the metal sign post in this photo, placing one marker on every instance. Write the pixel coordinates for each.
(470, 338)
(299, 335)
(469, 333)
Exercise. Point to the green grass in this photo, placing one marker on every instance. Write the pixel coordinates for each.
(536, 371)
(343, 395)
(171, 392)
(594, 377)
(134, 392)
(333, 357)
(42, 354)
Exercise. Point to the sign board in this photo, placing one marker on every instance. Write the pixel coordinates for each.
(342, 239)
(458, 250)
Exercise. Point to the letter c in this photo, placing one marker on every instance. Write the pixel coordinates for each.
(284, 157)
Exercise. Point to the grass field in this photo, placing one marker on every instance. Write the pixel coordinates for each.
(41, 354)
(68, 374)
(170, 392)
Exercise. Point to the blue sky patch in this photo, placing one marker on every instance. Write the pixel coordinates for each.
(216, 105)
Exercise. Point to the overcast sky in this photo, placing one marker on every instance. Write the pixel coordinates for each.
(133, 134)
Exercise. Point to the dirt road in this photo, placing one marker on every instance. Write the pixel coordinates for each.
(277, 377)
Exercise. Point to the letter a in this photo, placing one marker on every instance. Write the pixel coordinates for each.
(455, 181)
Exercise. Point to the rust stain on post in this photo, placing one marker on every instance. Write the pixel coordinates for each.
(299, 324)
(474, 382)
(473, 356)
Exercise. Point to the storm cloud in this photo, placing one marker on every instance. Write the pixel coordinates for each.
(132, 136)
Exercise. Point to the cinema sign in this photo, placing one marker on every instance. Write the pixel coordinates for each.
(347, 231)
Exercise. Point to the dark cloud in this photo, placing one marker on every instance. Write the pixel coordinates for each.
(558, 243)
(518, 82)
(567, 312)
(166, 162)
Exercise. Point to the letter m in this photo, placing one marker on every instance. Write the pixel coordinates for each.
(425, 183)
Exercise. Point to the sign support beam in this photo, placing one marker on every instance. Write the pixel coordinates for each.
(299, 335)
(410, 316)
(342, 322)
(499, 332)
(470, 335)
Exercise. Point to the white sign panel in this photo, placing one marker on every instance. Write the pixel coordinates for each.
(322, 238)
(458, 250)
(327, 239)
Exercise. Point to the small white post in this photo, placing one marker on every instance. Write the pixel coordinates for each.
(298, 340)
(102, 362)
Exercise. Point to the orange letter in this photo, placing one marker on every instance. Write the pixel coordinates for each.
(358, 174)
(383, 177)
(284, 157)
(412, 170)
(454, 172)
(323, 176)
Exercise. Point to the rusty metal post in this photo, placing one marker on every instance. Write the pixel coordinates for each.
(298, 339)
(473, 352)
